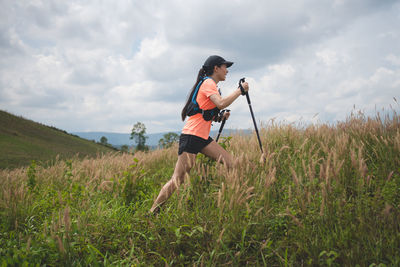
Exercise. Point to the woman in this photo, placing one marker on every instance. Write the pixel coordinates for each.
(201, 107)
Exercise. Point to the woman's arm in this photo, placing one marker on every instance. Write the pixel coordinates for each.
(223, 102)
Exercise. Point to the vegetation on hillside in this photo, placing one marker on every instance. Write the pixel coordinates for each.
(168, 140)
(22, 141)
(139, 135)
(328, 195)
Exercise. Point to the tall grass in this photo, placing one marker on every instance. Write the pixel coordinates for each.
(327, 195)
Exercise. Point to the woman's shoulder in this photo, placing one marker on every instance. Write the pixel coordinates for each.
(210, 83)
(209, 87)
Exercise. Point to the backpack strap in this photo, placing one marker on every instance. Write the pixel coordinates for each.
(194, 107)
(196, 91)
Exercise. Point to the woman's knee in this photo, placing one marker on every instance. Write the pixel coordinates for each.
(229, 162)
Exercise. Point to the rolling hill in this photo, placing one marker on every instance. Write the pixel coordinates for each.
(22, 141)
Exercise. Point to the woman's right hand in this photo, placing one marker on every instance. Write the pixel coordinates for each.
(245, 86)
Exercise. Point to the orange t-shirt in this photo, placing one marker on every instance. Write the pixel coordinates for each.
(196, 125)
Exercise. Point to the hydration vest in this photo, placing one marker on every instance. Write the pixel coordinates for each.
(193, 108)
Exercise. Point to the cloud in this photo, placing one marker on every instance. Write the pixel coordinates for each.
(89, 66)
(339, 73)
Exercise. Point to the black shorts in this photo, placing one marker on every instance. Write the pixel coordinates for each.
(192, 144)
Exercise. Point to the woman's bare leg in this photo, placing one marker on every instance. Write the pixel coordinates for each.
(183, 165)
(218, 153)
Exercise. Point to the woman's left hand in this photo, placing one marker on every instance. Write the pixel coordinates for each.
(226, 115)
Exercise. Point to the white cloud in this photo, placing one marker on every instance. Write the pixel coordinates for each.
(89, 66)
(393, 59)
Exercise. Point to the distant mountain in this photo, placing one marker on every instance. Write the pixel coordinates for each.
(22, 141)
(119, 139)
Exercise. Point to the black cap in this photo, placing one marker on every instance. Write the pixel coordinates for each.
(216, 60)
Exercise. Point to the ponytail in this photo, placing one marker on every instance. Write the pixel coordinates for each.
(204, 71)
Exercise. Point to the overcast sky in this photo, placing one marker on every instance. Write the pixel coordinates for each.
(105, 65)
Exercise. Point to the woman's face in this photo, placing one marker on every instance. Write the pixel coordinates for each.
(221, 72)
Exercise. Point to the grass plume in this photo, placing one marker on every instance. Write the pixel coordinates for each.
(326, 194)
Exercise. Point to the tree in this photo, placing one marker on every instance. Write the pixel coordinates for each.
(168, 140)
(125, 148)
(103, 140)
(138, 134)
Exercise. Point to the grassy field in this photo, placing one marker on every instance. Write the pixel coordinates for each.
(328, 195)
(22, 141)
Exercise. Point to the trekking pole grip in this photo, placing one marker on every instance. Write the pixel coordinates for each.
(243, 92)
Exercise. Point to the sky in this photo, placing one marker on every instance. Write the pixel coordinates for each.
(104, 65)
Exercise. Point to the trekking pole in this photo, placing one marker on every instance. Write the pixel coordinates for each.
(252, 116)
(221, 127)
(220, 130)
